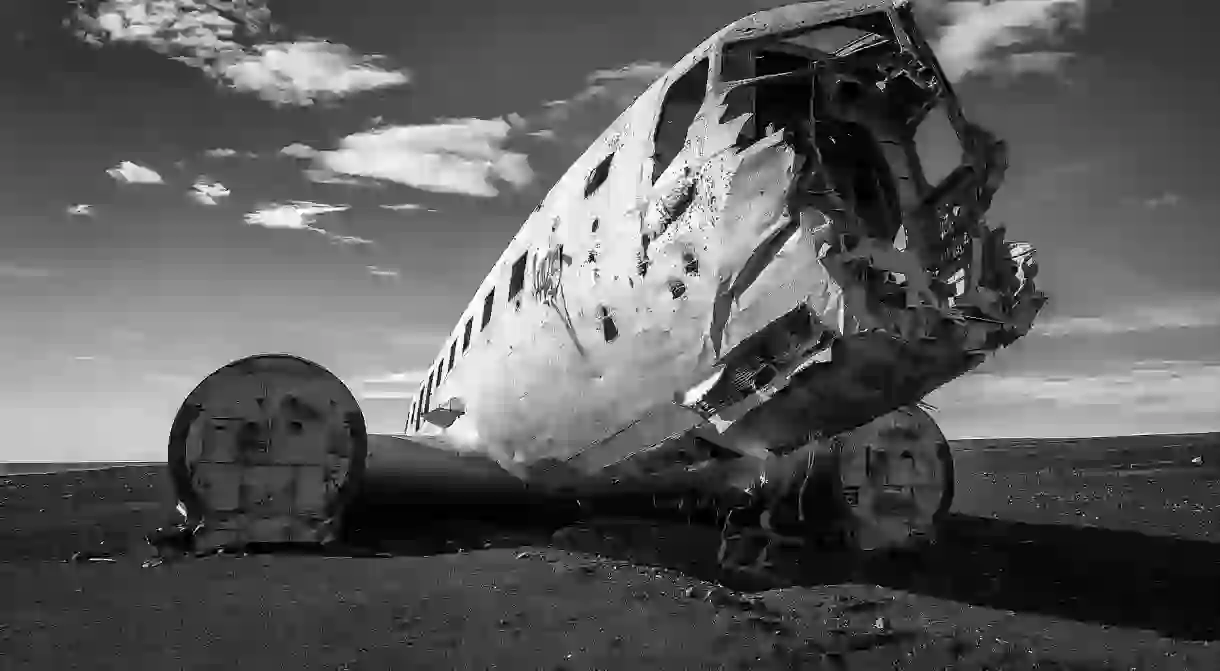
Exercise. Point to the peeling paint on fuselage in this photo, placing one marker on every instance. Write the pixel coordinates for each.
(553, 399)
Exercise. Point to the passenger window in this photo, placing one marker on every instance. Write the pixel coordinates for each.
(609, 330)
(598, 176)
(452, 353)
(678, 110)
(487, 303)
(517, 282)
(466, 337)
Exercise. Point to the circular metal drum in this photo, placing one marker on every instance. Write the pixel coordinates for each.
(268, 449)
(897, 479)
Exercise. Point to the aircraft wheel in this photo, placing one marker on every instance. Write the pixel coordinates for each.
(268, 449)
(896, 476)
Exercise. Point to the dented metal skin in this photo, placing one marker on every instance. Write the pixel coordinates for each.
(747, 269)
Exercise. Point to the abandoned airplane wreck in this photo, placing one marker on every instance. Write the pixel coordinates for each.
(736, 297)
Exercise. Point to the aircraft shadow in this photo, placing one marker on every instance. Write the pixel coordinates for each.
(1118, 578)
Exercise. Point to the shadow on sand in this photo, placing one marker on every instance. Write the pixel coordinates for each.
(1117, 578)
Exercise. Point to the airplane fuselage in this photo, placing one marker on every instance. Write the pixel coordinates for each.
(742, 289)
(739, 219)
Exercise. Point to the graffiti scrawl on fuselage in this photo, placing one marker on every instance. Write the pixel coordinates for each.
(548, 276)
(547, 272)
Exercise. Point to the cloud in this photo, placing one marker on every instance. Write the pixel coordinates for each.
(297, 215)
(229, 42)
(606, 93)
(207, 192)
(18, 271)
(1167, 199)
(407, 377)
(392, 386)
(620, 86)
(226, 152)
(979, 36)
(464, 156)
(382, 272)
(299, 72)
(349, 239)
(299, 150)
(406, 207)
(1146, 386)
(327, 177)
(301, 215)
(1038, 62)
(80, 210)
(1192, 312)
(130, 173)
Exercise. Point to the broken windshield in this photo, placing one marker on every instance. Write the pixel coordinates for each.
(793, 52)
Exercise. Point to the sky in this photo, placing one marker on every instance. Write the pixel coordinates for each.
(184, 183)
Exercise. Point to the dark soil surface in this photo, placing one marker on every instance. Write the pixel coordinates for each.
(1098, 554)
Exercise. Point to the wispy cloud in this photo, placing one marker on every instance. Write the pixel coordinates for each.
(297, 215)
(606, 93)
(382, 272)
(1192, 312)
(206, 192)
(80, 210)
(349, 239)
(1167, 199)
(322, 176)
(299, 150)
(300, 215)
(392, 386)
(407, 207)
(618, 86)
(1146, 386)
(19, 271)
(465, 156)
(406, 377)
(297, 73)
(982, 36)
(226, 152)
(233, 42)
(131, 173)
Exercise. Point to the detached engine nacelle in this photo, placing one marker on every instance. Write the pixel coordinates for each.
(268, 449)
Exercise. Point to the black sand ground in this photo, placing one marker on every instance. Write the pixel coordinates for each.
(1100, 554)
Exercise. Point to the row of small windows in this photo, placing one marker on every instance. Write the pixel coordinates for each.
(678, 109)
(423, 402)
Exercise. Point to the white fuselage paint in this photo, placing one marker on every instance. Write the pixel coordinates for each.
(541, 381)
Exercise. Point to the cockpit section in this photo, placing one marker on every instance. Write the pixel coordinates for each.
(853, 96)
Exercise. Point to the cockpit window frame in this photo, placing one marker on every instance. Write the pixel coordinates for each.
(705, 61)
